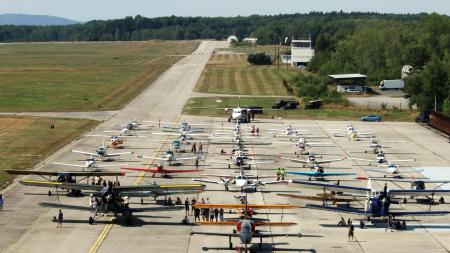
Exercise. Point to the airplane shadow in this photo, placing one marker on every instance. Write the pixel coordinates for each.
(265, 247)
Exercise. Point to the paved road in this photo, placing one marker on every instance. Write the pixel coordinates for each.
(375, 102)
(25, 227)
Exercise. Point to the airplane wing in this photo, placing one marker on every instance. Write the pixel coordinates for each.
(243, 206)
(376, 171)
(362, 159)
(333, 187)
(257, 235)
(220, 176)
(64, 206)
(425, 213)
(59, 173)
(294, 160)
(84, 152)
(62, 185)
(427, 181)
(330, 160)
(272, 182)
(257, 223)
(221, 162)
(187, 158)
(118, 154)
(336, 209)
(155, 170)
(410, 170)
(70, 164)
(324, 174)
(318, 198)
(207, 181)
(405, 160)
(166, 133)
(407, 193)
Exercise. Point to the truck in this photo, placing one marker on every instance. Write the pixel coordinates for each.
(285, 104)
(392, 84)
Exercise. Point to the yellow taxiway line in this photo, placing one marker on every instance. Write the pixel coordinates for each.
(108, 227)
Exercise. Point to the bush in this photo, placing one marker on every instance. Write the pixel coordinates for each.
(259, 59)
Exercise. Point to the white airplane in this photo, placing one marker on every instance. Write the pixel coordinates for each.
(239, 158)
(169, 157)
(351, 133)
(381, 159)
(376, 146)
(102, 152)
(245, 183)
(393, 170)
(90, 165)
(311, 160)
(302, 143)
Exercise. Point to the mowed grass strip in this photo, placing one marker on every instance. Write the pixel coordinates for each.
(27, 140)
(209, 106)
(232, 74)
(82, 76)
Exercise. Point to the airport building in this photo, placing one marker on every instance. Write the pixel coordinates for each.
(350, 83)
(301, 52)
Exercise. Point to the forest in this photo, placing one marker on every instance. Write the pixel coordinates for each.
(374, 44)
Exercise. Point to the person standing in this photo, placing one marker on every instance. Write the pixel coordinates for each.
(221, 214)
(211, 214)
(216, 214)
(351, 230)
(390, 223)
(186, 206)
(257, 131)
(194, 148)
(193, 202)
(196, 214)
(200, 148)
(282, 173)
(2, 202)
(278, 171)
(60, 219)
(196, 163)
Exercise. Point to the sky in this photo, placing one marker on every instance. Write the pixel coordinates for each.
(84, 10)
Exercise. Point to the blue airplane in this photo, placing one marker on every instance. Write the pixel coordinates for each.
(378, 203)
(317, 172)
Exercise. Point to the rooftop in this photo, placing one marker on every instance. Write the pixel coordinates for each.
(347, 76)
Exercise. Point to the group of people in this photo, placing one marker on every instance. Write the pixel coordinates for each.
(100, 181)
(202, 214)
(281, 173)
(194, 148)
(255, 130)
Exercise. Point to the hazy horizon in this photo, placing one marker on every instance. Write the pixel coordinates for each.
(85, 10)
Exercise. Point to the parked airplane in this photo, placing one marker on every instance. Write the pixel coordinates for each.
(64, 176)
(311, 160)
(245, 183)
(90, 165)
(112, 199)
(352, 133)
(381, 159)
(102, 152)
(240, 159)
(169, 157)
(376, 146)
(161, 170)
(317, 172)
(246, 231)
(393, 170)
(377, 203)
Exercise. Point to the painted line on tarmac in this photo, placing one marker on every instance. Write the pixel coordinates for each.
(105, 231)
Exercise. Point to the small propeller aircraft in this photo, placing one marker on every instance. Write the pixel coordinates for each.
(161, 170)
(311, 160)
(112, 199)
(246, 183)
(239, 158)
(381, 159)
(90, 165)
(178, 127)
(169, 157)
(246, 227)
(377, 203)
(318, 173)
(102, 152)
(64, 176)
(375, 146)
(393, 170)
(352, 133)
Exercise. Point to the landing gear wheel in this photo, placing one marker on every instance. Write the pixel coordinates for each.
(91, 220)
(49, 193)
(361, 224)
(142, 201)
(405, 200)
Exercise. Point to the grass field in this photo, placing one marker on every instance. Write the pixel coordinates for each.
(210, 106)
(81, 76)
(231, 74)
(24, 141)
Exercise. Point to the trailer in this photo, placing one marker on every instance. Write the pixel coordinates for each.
(397, 84)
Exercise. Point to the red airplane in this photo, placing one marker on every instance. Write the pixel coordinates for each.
(160, 169)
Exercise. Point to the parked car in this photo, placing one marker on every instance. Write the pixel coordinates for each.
(371, 117)
(255, 109)
(281, 103)
(290, 106)
(313, 104)
(423, 118)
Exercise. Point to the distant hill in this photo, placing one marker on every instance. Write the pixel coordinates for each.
(25, 19)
